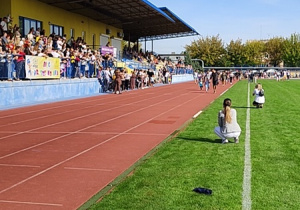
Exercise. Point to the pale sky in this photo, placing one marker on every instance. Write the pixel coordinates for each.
(231, 20)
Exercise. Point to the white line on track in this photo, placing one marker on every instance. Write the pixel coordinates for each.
(80, 117)
(100, 133)
(197, 114)
(45, 109)
(30, 203)
(247, 162)
(97, 145)
(12, 165)
(71, 133)
(225, 91)
(102, 98)
(60, 112)
(88, 169)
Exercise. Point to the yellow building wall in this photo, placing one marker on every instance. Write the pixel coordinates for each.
(5, 8)
(45, 13)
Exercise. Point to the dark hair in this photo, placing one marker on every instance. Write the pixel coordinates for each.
(227, 102)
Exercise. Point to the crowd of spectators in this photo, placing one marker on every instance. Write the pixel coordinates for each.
(131, 80)
(205, 79)
(78, 60)
(156, 61)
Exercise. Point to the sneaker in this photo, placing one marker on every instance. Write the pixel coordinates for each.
(224, 141)
(236, 140)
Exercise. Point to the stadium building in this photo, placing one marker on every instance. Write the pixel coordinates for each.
(97, 21)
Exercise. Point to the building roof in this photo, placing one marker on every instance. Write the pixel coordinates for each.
(139, 19)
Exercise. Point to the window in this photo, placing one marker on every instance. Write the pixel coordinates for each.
(27, 23)
(93, 38)
(103, 39)
(58, 30)
(72, 33)
(83, 35)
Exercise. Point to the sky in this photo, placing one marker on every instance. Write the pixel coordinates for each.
(230, 20)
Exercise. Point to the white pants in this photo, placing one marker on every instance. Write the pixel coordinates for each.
(226, 135)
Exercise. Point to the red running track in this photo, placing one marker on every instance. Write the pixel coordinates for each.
(58, 155)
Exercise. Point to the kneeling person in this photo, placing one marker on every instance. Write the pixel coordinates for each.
(259, 94)
(228, 125)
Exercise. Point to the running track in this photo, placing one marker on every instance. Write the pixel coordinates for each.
(58, 155)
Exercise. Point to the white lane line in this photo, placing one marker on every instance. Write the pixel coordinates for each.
(60, 112)
(30, 203)
(45, 109)
(88, 169)
(75, 118)
(99, 133)
(225, 91)
(26, 166)
(102, 98)
(197, 114)
(247, 163)
(83, 129)
(101, 143)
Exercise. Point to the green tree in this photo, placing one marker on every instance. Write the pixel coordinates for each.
(291, 51)
(188, 61)
(209, 49)
(275, 50)
(235, 53)
(254, 52)
(187, 58)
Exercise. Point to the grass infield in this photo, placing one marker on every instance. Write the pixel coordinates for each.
(196, 158)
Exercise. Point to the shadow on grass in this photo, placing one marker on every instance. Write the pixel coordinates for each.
(243, 107)
(215, 141)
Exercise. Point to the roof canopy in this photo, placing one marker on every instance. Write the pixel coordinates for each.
(139, 19)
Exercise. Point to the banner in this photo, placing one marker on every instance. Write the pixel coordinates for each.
(106, 50)
(42, 68)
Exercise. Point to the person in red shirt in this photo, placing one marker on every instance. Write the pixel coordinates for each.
(20, 67)
(11, 46)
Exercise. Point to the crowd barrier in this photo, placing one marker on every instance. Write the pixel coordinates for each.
(44, 68)
(182, 78)
(177, 71)
(22, 93)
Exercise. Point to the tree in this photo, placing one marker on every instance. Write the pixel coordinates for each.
(254, 52)
(235, 53)
(291, 51)
(275, 50)
(209, 49)
(188, 61)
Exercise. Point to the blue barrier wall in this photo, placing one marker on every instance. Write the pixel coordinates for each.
(182, 78)
(22, 93)
(15, 94)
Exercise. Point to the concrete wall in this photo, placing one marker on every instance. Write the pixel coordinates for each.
(17, 94)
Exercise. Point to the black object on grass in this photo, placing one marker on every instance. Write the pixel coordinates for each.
(203, 190)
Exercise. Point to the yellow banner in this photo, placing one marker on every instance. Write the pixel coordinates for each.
(42, 68)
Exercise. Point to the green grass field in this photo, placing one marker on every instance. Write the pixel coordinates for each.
(196, 158)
